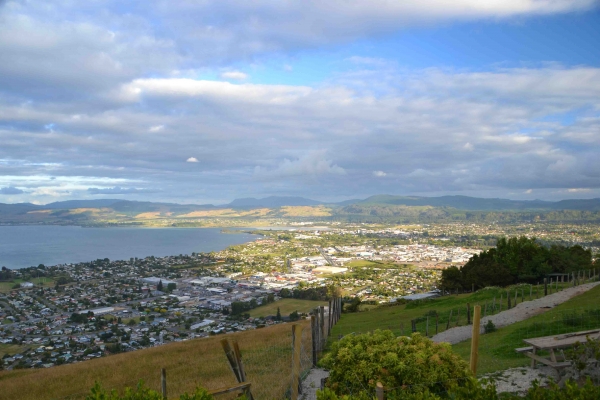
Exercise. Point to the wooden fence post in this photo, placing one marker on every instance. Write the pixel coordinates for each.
(494, 306)
(516, 294)
(163, 382)
(508, 297)
(313, 326)
(330, 315)
(322, 324)
(545, 287)
(436, 323)
(229, 353)
(500, 309)
(234, 356)
(379, 391)
(449, 319)
(296, 345)
(522, 295)
(530, 290)
(475, 339)
(468, 314)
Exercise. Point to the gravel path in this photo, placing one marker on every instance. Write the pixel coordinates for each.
(521, 312)
(519, 380)
(312, 383)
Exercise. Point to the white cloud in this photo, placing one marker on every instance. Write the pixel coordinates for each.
(216, 90)
(379, 174)
(156, 128)
(192, 160)
(313, 164)
(235, 75)
(579, 190)
(529, 191)
(423, 122)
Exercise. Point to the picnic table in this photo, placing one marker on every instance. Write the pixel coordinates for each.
(552, 343)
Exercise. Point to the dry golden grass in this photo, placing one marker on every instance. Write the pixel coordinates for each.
(93, 211)
(305, 211)
(259, 212)
(148, 215)
(266, 354)
(226, 212)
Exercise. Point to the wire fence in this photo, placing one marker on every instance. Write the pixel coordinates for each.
(271, 364)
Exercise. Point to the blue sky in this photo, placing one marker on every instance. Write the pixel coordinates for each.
(202, 101)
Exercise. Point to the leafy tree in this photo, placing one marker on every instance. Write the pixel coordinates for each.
(171, 286)
(294, 316)
(159, 287)
(353, 305)
(278, 315)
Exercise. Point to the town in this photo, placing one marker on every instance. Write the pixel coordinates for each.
(75, 312)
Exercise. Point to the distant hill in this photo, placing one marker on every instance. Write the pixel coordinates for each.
(272, 202)
(17, 208)
(81, 204)
(483, 204)
(146, 206)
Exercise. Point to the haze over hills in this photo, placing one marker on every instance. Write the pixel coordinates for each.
(456, 202)
(272, 201)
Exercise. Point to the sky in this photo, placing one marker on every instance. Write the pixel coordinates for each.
(200, 101)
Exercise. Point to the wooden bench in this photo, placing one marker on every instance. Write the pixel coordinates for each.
(524, 349)
(553, 344)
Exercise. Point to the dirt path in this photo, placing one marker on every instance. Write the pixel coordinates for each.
(521, 312)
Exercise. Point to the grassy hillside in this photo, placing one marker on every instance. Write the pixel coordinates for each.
(286, 306)
(266, 355)
(497, 349)
(398, 317)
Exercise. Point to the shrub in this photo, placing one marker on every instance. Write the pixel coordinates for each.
(489, 327)
(473, 390)
(142, 393)
(359, 362)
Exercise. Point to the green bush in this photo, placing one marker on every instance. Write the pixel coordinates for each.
(141, 393)
(489, 327)
(357, 363)
(474, 390)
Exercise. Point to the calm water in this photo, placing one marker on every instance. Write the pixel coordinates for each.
(24, 246)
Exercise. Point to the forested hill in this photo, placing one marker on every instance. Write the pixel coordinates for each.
(375, 209)
(483, 204)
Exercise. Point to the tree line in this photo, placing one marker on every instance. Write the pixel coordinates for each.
(516, 260)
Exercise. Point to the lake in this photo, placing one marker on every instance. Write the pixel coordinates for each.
(24, 246)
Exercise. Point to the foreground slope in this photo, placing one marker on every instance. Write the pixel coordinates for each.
(266, 354)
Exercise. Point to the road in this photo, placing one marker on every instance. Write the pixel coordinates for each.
(326, 257)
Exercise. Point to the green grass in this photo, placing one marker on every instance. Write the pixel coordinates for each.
(12, 349)
(398, 317)
(497, 350)
(7, 286)
(286, 307)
